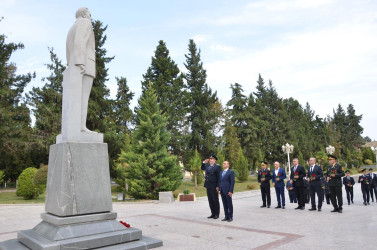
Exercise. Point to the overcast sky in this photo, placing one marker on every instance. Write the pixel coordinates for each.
(318, 51)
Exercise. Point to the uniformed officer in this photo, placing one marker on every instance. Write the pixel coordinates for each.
(348, 183)
(335, 172)
(364, 179)
(373, 184)
(264, 177)
(211, 183)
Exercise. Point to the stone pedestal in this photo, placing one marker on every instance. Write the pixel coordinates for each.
(79, 205)
(165, 197)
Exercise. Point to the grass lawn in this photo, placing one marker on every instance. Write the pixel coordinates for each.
(12, 198)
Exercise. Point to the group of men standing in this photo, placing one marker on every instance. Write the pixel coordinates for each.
(222, 181)
(314, 179)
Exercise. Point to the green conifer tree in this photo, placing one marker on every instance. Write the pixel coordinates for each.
(151, 168)
(195, 166)
(242, 167)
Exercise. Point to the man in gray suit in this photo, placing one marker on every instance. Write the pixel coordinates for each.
(81, 58)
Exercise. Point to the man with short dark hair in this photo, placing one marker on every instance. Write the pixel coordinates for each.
(373, 184)
(264, 177)
(297, 178)
(348, 183)
(211, 183)
(335, 172)
(364, 179)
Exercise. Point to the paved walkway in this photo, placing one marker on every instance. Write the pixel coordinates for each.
(185, 225)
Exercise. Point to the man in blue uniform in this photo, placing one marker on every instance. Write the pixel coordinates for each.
(373, 184)
(335, 172)
(364, 179)
(264, 177)
(348, 183)
(227, 181)
(211, 183)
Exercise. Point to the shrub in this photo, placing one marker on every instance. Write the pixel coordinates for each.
(368, 162)
(251, 186)
(186, 191)
(26, 186)
(355, 163)
(1, 176)
(40, 178)
(175, 194)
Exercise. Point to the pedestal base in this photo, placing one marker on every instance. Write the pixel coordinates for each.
(80, 232)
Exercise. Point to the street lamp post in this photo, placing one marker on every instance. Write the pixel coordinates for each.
(374, 149)
(330, 150)
(288, 149)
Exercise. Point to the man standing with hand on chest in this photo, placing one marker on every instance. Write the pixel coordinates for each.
(278, 176)
(297, 178)
(335, 173)
(211, 183)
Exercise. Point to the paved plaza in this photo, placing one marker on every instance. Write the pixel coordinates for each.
(184, 225)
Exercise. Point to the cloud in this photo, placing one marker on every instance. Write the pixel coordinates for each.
(222, 47)
(200, 38)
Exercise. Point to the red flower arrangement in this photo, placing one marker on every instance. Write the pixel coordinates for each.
(313, 177)
(278, 177)
(125, 224)
(349, 184)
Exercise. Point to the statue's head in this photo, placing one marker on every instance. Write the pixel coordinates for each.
(83, 12)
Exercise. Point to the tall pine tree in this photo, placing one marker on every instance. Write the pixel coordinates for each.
(151, 168)
(14, 114)
(203, 116)
(171, 91)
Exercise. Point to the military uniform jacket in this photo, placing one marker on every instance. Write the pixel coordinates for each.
(365, 182)
(267, 176)
(212, 176)
(339, 173)
(300, 170)
(373, 182)
(351, 181)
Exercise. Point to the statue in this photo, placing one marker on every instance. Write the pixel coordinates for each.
(78, 80)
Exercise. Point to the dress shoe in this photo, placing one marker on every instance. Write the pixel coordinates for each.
(302, 208)
(340, 210)
(319, 209)
(365, 203)
(268, 206)
(210, 217)
(368, 203)
(229, 220)
(216, 217)
(225, 219)
(283, 207)
(352, 202)
(263, 206)
(312, 209)
(298, 207)
(349, 203)
(334, 210)
(278, 207)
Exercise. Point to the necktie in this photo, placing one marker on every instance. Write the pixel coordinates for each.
(223, 174)
(294, 170)
(311, 170)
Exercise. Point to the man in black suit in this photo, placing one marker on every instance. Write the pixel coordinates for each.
(297, 179)
(365, 182)
(315, 174)
(373, 184)
(335, 172)
(348, 183)
(227, 181)
(211, 183)
(264, 177)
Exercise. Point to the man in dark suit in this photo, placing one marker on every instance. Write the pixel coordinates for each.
(264, 177)
(348, 183)
(373, 184)
(297, 178)
(211, 183)
(227, 181)
(291, 192)
(335, 172)
(365, 182)
(278, 176)
(315, 174)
